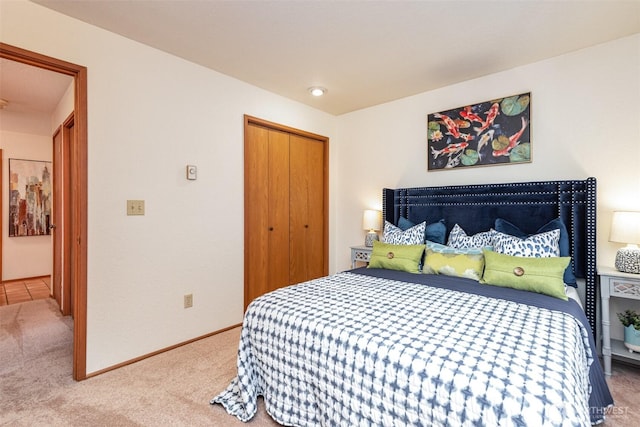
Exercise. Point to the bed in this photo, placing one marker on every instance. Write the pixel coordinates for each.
(386, 345)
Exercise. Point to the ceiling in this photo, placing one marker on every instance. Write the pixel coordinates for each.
(32, 93)
(31, 89)
(364, 52)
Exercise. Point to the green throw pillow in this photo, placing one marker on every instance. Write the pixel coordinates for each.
(454, 264)
(396, 257)
(541, 275)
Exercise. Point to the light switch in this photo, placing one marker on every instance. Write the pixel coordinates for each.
(135, 207)
(192, 172)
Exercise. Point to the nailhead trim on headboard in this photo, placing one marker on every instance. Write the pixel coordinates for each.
(527, 202)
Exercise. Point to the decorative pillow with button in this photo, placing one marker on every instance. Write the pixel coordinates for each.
(506, 227)
(458, 238)
(396, 257)
(396, 236)
(540, 275)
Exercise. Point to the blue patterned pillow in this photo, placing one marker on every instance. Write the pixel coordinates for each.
(506, 227)
(436, 232)
(542, 245)
(458, 238)
(396, 236)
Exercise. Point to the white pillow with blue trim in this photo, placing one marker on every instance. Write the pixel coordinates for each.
(458, 238)
(396, 236)
(542, 245)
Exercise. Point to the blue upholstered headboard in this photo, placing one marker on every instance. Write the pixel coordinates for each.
(528, 205)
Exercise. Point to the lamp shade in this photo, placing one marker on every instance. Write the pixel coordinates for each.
(625, 227)
(371, 220)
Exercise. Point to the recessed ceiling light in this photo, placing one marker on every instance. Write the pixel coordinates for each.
(317, 91)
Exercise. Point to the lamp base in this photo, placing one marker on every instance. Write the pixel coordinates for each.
(370, 238)
(628, 260)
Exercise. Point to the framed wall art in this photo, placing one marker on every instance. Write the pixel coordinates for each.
(29, 197)
(495, 132)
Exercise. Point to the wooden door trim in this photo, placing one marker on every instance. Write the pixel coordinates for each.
(250, 120)
(57, 141)
(79, 222)
(67, 227)
(276, 126)
(1, 204)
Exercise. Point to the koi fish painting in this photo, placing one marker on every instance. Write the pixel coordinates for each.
(496, 132)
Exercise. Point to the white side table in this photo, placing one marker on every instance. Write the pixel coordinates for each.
(360, 253)
(614, 283)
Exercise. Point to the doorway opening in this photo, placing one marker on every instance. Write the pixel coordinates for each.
(78, 203)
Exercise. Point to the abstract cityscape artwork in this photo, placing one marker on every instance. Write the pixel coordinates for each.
(29, 197)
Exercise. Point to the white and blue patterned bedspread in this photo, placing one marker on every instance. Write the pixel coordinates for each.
(354, 350)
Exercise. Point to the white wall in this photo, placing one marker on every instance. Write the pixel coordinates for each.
(150, 114)
(64, 108)
(30, 256)
(585, 122)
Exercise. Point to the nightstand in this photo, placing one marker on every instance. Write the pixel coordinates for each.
(614, 283)
(360, 253)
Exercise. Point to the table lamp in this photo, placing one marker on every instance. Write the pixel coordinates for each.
(625, 228)
(371, 223)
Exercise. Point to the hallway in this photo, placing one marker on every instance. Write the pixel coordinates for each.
(17, 291)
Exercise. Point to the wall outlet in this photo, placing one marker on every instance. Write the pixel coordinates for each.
(188, 300)
(135, 207)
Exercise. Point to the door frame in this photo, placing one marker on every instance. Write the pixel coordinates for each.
(56, 214)
(78, 173)
(61, 230)
(68, 144)
(1, 222)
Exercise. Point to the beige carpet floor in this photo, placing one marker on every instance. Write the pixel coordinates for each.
(170, 389)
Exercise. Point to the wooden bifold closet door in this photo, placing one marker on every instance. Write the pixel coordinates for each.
(286, 230)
